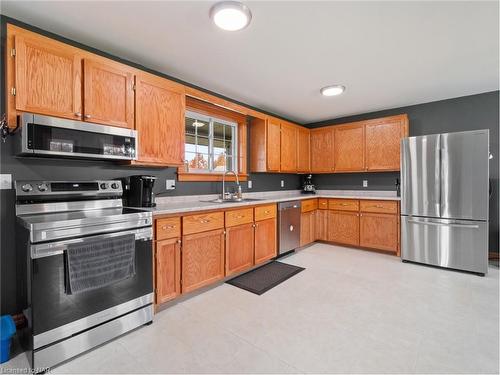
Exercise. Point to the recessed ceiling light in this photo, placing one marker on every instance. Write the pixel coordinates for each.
(230, 15)
(332, 90)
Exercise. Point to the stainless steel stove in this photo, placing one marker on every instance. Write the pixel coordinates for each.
(53, 216)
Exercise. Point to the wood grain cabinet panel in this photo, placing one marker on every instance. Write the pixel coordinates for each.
(383, 207)
(239, 217)
(322, 157)
(379, 231)
(273, 140)
(202, 259)
(108, 93)
(307, 228)
(266, 240)
(265, 212)
(383, 142)
(343, 204)
(168, 269)
(343, 227)
(322, 203)
(168, 228)
(160, 106)
(303, 150)
(308, 205)
(288, 147)
(239, 248)
(321, 225)
(202, 222)
(48, 77)
(349, 146)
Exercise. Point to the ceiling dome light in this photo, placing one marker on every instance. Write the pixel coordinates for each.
(332, 90)
(230, 15)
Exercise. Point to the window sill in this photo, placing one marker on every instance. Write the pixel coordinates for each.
(186, 176)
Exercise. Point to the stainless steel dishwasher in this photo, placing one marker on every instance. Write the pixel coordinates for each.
(289, 224)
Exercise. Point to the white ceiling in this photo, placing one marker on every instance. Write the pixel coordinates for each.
(387, 54)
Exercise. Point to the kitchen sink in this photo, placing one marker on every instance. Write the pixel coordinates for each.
(218, 200)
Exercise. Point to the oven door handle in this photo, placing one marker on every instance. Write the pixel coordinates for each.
(55, 248)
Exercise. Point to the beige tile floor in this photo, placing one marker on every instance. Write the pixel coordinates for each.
(350, 311)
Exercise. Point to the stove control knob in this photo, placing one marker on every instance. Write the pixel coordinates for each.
(114, 185)
(104, 186)
(43, 187)
(26, 188)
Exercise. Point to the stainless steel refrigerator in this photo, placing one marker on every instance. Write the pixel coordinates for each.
(444, 200)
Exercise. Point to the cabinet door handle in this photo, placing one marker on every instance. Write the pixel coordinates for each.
(165, 227)
(379, 206)
(87, 116)
(266, 212)
(78, 114)
(204, 221)
(239, 216)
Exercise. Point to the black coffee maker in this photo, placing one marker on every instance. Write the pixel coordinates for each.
(139, 191)
(307, 185)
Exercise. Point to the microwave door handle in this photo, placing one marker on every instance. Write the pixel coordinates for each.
(56, 248)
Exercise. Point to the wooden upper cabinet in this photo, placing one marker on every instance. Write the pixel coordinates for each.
(48, 77)
(322, 158)
(168, 269)
(159, 109)
(108, 93)
(303, 150)
(383, 142)
(349, 146)
(273, 142)
(288, 147)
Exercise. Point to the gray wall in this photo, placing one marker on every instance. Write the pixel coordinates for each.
(451, 115)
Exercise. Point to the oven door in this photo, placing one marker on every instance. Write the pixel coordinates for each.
(56, 315)
(50, 136)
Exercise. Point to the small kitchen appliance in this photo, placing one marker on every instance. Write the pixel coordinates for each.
(444, 200)
(139, 191)
(307, 185)
(69, 312)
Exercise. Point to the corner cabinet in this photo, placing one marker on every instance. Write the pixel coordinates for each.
(160, 106)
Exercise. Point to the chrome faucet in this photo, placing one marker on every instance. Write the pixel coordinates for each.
(223, 194)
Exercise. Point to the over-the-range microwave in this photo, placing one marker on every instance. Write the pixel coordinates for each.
(51, 136)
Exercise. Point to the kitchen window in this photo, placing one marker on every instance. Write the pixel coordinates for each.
(210, 145)
(215, 142)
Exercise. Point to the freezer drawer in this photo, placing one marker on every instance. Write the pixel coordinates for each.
(458, 244)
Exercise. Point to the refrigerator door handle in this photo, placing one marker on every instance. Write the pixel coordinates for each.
(469, 226)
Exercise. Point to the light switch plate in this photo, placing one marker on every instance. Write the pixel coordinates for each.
(282, 183)
(365, 183)
(170, 185)
(5, 181)
(249, 184)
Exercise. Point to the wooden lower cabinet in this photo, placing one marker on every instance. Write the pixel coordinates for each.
(167, 269)
(321, 225)
(307, 228)
(379, 231)
(343, 227)
(202, 259)
(239, 248)
(265, 240)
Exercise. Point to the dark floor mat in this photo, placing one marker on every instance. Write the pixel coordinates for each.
(262, 279)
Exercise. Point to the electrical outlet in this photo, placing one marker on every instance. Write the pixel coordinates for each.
(170, 185)
(282, 183)
(365, 183)
(5, 181)
(249, 184)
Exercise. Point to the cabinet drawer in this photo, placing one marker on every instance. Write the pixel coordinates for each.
(168, 228)
(343, 204)
(323, 204)
(238, 217)
(265, 212)
(383, 207)
(309, 205)
(202, 222)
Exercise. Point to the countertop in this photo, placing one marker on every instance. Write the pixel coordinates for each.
(191, 203)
